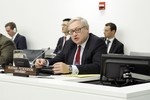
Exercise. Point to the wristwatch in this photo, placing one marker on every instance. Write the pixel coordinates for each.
(70, 68)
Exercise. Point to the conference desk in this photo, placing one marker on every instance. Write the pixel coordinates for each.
(32, 88)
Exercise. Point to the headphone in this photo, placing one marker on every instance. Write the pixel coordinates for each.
(15, 30)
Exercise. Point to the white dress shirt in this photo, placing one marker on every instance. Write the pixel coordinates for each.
(13, 38)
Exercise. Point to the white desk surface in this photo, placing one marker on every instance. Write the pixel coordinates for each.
(27, 88)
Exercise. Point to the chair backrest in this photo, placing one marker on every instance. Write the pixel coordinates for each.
(33, 54)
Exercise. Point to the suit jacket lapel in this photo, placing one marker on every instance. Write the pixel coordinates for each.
(113, 46)
(16, 38)
(61, 42)
(71, 53)
(85, 52)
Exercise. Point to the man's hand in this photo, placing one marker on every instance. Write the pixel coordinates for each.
(39, 63)
(60, 67)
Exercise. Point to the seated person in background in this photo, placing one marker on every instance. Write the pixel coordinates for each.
(6, 50)
(81, 54)
(113, 45)
(63, 39)
(19, 40)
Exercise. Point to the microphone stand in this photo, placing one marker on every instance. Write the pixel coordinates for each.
(32, 62)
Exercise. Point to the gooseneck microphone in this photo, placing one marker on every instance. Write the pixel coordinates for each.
(39, 55)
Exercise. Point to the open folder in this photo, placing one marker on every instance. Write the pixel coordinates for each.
(72, 78)
(82, 75)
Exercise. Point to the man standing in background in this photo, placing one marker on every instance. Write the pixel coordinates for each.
(19, 40)
(113, 45)
(64, 38)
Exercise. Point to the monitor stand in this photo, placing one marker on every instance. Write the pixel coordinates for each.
(118, 83)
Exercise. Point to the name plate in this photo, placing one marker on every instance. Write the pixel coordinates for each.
(21, 70)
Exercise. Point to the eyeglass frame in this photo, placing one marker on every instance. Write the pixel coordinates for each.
(76, 30)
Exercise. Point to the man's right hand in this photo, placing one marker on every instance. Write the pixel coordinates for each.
(39, 63)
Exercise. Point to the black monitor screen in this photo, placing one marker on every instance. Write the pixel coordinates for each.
(117, 66)
(21, 62)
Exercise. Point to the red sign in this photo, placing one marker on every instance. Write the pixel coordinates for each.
(101, 5)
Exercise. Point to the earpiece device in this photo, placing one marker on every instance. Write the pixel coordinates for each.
(15, 30)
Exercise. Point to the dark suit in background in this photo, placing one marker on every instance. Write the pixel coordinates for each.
(91, 57)
(117, 47)
(59, 45)
(20, 42)
(6, 50)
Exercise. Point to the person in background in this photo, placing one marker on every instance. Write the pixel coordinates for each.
(64, 38)
(81, 54)
(6, 50)
(113, 44)
(20, 40)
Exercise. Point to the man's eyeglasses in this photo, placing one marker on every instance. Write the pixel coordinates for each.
(77, 30)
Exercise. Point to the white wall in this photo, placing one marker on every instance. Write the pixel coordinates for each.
(40, 20)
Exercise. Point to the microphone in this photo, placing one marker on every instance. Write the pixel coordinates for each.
(39, 55)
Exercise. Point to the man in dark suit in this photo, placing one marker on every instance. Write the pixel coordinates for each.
(20, 40)
(86, 60)
(113, 44)
(6, 50)
(64, 38)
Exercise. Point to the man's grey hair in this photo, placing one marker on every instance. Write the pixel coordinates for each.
(82, 20)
